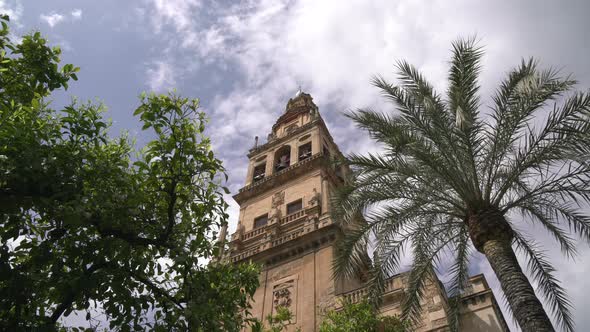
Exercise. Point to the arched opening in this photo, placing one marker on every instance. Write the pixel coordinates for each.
(259, 169)
(282, 158)
(304, 151)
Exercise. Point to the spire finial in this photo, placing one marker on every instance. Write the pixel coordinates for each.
(298, 91)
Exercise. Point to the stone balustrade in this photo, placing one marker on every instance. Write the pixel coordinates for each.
(296, 219)
(293, 216)
(288, 237)
(283, 171)
(392, 284)
(254, 232)
(245, 253)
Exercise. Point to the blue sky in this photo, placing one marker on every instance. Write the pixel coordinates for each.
(245, 59)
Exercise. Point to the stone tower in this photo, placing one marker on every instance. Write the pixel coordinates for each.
(285, 225)
(284, 221)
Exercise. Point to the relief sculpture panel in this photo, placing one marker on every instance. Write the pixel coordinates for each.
(284, 294)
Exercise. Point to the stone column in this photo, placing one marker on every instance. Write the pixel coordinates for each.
(325, 195)
(270, 158)
(250, 172)
(316, 144)
(294, 153)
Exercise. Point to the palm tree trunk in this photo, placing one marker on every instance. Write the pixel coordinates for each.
(526, 307)
(492, 235)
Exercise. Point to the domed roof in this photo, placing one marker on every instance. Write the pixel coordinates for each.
(301, 103)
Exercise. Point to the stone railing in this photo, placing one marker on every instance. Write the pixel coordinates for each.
(360, 294)
(254, 232)
(283, 221)
(288, 237)
(245, 253)
(292, 216)
(293, 223)
(272, 176)
(356, 295)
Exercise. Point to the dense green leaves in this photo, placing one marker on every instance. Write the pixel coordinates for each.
(446, 163)
(360, 317)
(88, 223)
(274, 323)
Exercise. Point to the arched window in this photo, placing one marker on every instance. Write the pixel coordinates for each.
(259, 172)
(304, 151)
(282, 158)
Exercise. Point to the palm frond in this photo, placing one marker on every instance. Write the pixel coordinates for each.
(436, 148)
(540, 211)
(464, 102)
(423, 94)
(380, 178)
(459, 273)
(543, 273)
(351, 256)
(426, 249)
(525, 91)
(463, 85)
(563, 138)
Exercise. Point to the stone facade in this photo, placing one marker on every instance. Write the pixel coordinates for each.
(285, 225)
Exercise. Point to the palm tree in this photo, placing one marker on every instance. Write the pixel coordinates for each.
(452, 178)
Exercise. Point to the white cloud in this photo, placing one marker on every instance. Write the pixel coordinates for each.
(11, 8)
(161, 76)
(76, 14)
(333, 50)
(52, 19)
(178, 13)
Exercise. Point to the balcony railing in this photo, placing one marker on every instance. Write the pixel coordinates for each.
(254, 232)
(283, 221)
(288, 237)
(284, 170)
(245, 253)
(292, 216)
(252, 247)
(360, 294)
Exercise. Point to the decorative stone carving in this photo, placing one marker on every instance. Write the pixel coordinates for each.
(282, 298)
(284, 294)
(271, 137)
(239, 234)
(315, 198)
(291, 128)
(313, 112)
(311, 224)
(275, 214)
(278, 199)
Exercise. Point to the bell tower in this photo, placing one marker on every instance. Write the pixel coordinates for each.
(284, 220)
(285, 225)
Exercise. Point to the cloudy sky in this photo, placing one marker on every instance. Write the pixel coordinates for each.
(245, 59)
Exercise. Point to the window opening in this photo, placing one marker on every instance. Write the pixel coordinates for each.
(294, 206)
(282, 158)
(261, 221)
(305, 151)
(259, 172)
